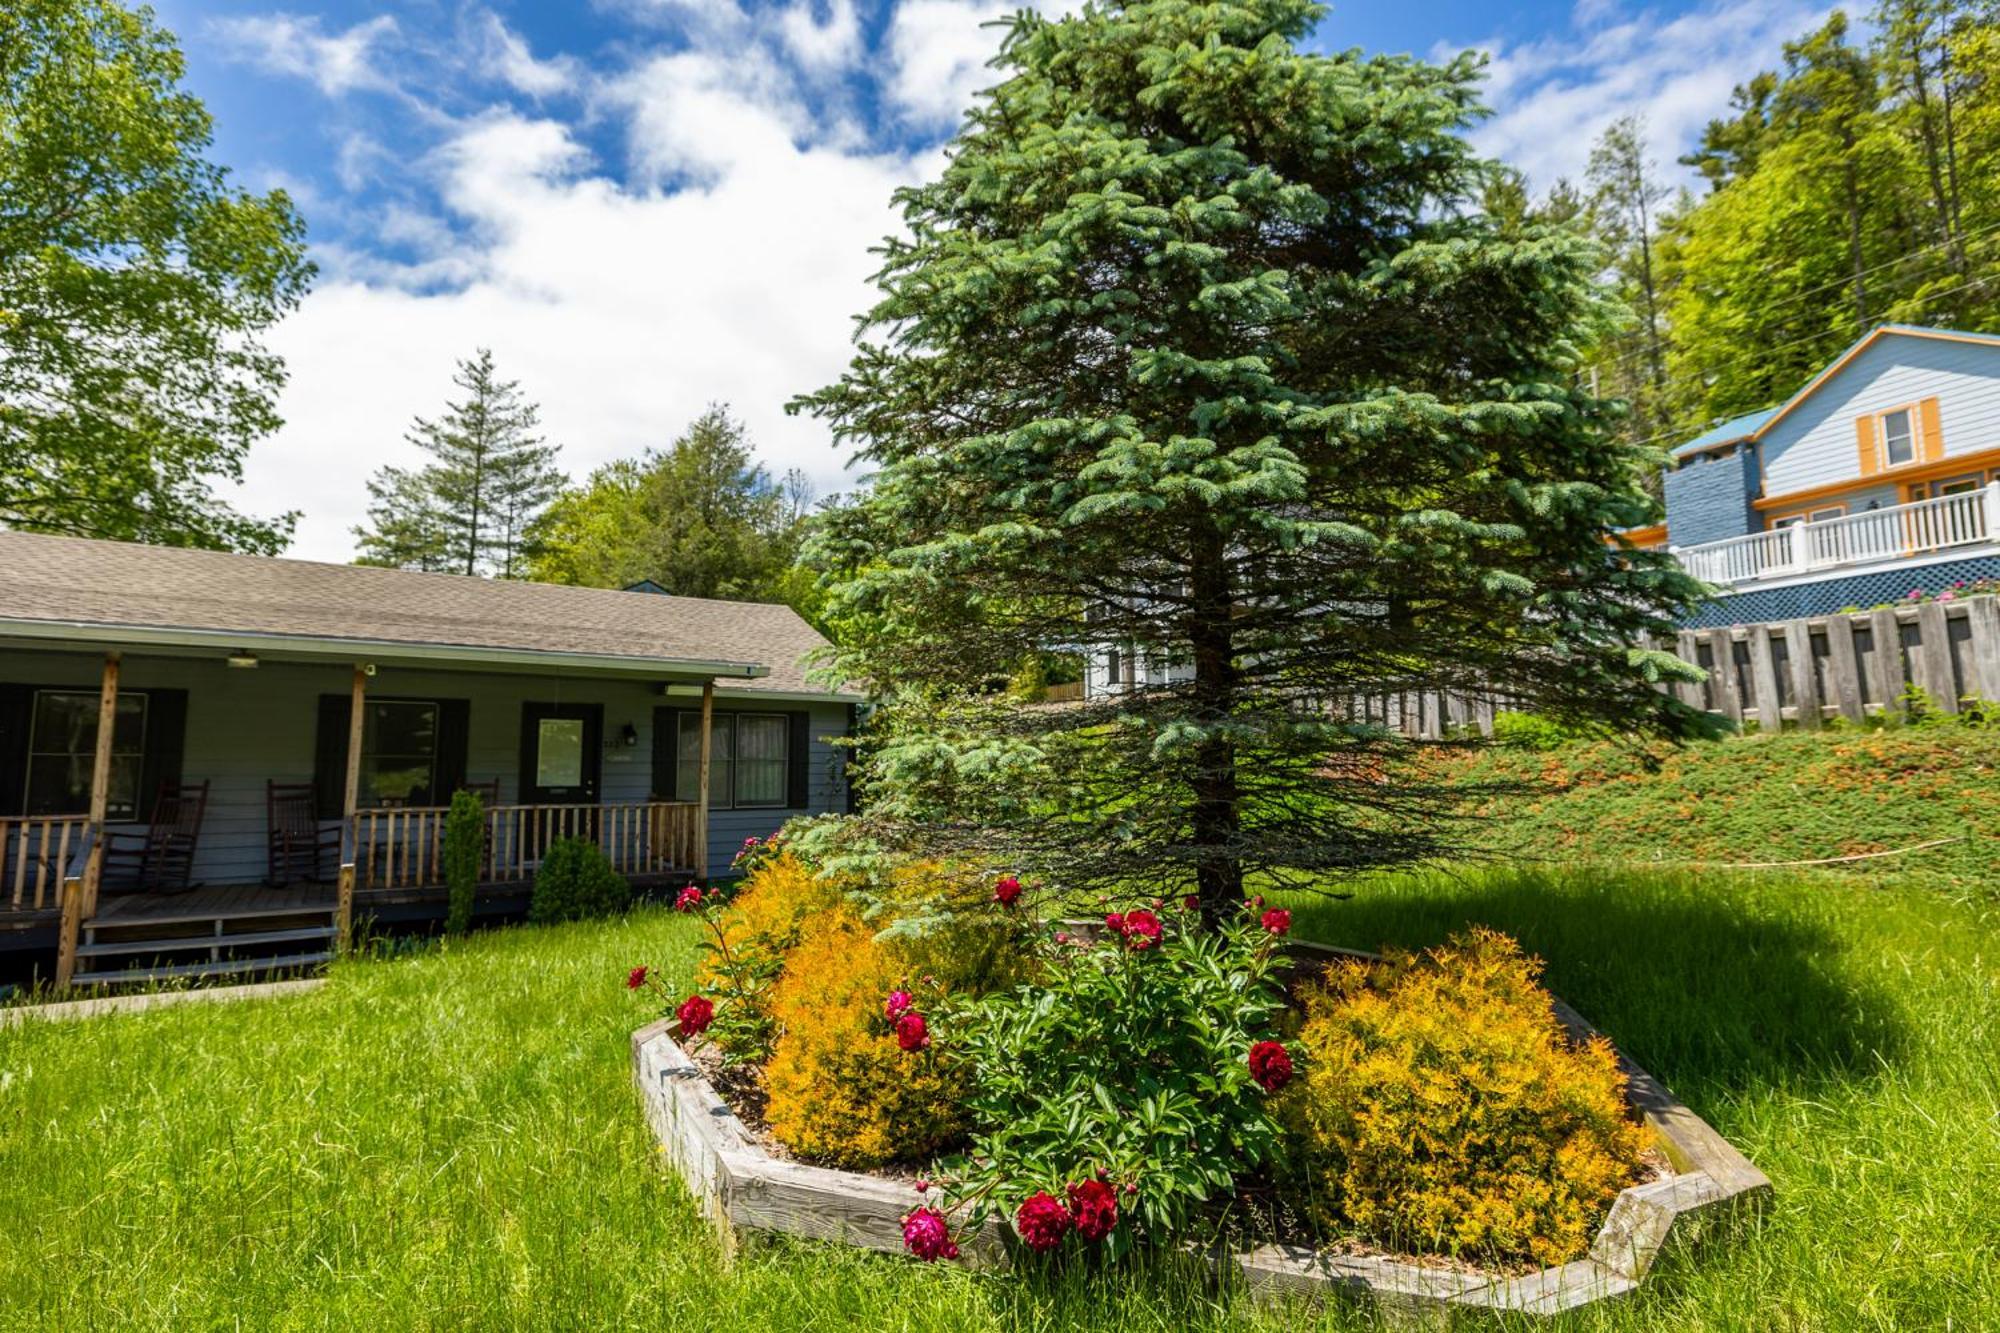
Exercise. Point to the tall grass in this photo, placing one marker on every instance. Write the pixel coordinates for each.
(451, 1139)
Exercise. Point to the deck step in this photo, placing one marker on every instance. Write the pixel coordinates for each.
(228, 967)
(114, 920)
(182, 943)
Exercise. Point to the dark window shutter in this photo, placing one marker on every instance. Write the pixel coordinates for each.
(166, 743)
(454, 745)
(666, 752)
(798, 778)
(330, 754)
(16, 701)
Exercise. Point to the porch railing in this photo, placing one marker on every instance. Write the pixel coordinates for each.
(403, 847)
(35, 854)
(1969, 518)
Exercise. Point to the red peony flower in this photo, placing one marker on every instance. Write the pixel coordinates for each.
(696, 1013)
(1277, 920)
(1006, 891)
(1192, 902)
(928, 1236)
(912, 1033)
(1142, 929)
(636, 977)
(1270, 1065)
(1114, 921)
(688, 899)
(1042, 1221)
(896, 1005)
(1095, 1205)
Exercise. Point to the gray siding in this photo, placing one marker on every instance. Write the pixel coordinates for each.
(1814, 445)
(245, 728)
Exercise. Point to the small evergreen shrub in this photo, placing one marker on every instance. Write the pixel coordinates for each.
(464, 852)
(1532, 731)
(1443, 1110)
(847, 1083)
(576, 881)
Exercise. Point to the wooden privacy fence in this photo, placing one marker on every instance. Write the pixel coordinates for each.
(403, 847)
(1802, 671)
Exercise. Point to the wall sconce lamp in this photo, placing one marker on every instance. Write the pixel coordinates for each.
(628, 736)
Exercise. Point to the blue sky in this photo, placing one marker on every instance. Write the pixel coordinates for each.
(644, 206)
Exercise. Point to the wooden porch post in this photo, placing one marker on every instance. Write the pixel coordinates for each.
(701, 811)
(79, 898)
(351, 790)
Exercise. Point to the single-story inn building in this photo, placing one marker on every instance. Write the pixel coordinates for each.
(202, 751)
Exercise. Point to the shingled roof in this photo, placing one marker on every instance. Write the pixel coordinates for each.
(85, 590)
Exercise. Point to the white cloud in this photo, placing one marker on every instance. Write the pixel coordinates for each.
(1554, 96)
(821, 45)
(501, 53)
(288, 44)
(938, 51)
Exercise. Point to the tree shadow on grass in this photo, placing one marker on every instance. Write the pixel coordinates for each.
(1702, 985)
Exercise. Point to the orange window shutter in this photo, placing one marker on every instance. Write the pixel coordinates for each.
(1933, 446)
(1864, 430)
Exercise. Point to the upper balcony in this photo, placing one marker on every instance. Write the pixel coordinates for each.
(1874, 539)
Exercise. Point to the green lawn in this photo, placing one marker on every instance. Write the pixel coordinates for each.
(451, 1140)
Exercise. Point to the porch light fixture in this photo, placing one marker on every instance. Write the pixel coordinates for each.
(243, 658)
(628, 736)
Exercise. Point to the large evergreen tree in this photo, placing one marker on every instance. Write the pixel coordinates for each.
(489, 478)
(135, 285)
(1200, 348)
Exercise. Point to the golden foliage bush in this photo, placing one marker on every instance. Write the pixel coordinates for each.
(840, 1089)
(772, 906)
(1443, 1109)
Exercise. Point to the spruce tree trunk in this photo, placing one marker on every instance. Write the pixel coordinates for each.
(1218, 815)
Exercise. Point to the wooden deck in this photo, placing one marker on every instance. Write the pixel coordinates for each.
(208, 903)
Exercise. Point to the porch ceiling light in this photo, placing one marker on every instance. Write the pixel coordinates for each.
(243, 658)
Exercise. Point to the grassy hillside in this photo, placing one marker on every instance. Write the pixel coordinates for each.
(1790, 797)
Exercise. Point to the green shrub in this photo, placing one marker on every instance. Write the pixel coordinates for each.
(1532, 731)
(464, 852)
(1443, 1109)
(576, 881)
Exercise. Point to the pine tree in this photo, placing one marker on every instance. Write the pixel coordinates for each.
(489, 478)
(1198, 348)
(1625, 198)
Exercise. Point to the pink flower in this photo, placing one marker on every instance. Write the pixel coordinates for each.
(1062, 937)
(923, 1186)
(1947, 596)
(1042, 1221)
(1270, 1065)
(1115, 921)
(1006, 890)
(1095, 1205)
(1277, 920)
(1142, 929)
(1192, 902)
(896, 1005)
(636, 977)
(1916, 593)
(927, 1236)
(912, 1033)
(749, 842)
(696, 1013)
(687, 899)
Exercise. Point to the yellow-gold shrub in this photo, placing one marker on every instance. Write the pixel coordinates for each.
(1442, 1109)
(840, 1089)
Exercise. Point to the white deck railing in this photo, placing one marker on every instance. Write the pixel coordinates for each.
(1971, 518)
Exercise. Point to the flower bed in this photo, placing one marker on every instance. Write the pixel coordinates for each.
(1147, 1082)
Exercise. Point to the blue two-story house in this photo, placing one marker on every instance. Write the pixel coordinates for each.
(1880, 475)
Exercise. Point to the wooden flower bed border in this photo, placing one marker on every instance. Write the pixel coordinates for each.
(740, 1187)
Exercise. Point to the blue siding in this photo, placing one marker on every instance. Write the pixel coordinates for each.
(1826, 596)
(1708, 500)
(245, 728)
(1815, 443)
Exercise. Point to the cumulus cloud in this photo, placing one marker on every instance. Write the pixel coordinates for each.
(1553, 96)
(501, 54)
(289, 44)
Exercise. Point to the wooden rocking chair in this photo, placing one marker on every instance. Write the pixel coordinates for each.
(160, 860)
(301, 843)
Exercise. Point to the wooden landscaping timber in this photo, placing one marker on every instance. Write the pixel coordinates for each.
(343, 919)
(701, 816)
(1886, 670)
(1764, 679)
(1844, 667)
(1805, 680)
(70, 927)
(1933, 670)
(1983, 616)
(350, 791)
